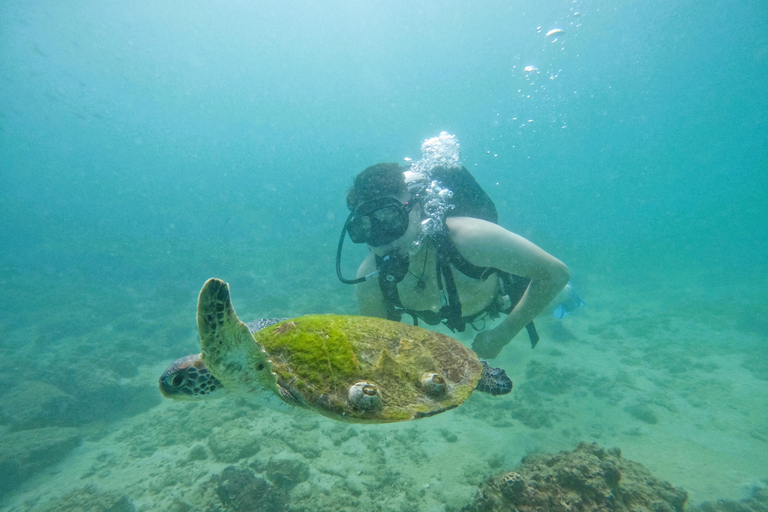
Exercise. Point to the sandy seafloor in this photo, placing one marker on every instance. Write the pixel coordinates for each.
(674, 378)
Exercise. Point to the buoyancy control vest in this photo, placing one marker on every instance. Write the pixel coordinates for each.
(468, 200)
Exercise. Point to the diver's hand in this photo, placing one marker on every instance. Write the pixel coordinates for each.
(488, 344)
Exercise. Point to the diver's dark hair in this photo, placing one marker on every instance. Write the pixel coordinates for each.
(376, 181)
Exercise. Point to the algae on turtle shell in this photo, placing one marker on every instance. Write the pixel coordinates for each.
(317, 362)
(351, 368)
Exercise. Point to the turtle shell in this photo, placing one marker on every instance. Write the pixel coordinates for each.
(319, 358)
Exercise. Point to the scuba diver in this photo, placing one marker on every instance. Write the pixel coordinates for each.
(437, 254)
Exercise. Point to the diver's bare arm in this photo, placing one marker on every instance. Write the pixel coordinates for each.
(490, 245)
(540, 292)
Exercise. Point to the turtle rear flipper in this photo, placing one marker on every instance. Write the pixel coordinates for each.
(494, 381)
(229, 350)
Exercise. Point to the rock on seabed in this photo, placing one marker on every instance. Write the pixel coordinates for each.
(587, 479)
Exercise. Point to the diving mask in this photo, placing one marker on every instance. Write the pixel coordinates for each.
(379, 222)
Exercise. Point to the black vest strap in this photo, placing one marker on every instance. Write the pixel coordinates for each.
(451, 309)
(395, 308)
(445, 246)
(447, 256)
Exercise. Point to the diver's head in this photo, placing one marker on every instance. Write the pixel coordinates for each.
(382, 209)
(189, 379)
(377, 181)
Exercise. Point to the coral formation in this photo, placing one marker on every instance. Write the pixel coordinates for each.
(233, 443)
(758, 502)
(287, 470)
(642, 412)
(239, 490)
(89, 499)
(586, 479)
(32, 405)
(25, 453)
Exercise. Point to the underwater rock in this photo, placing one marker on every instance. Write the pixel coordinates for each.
(586, 479)
(32, 405)
(197, 453)
(286, 471)
(758, 502)
(552, 380)
(306, 446)
(448, 435)
(233, 443)
(642, 412)
(109, 398)
(531, 417)
(340, 435)
(24, 453)
(97, 379)
(239, 490)
(89, 499)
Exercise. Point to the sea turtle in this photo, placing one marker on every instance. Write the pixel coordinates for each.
(351, 368)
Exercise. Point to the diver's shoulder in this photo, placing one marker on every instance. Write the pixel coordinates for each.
(461, 228)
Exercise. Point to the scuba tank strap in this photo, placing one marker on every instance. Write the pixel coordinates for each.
(514, 289)
(451, 309)
(390, 294)
(395, 308)
(462, 264)
(532, 334)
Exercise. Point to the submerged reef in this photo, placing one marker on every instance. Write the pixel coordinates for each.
(89, 499)
(239, 490)
(589, 478)
(26, 453)
(758, 502)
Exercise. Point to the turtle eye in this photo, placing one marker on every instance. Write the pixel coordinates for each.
(178, 380)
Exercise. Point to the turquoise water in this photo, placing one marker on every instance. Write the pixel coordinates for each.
(149, 146)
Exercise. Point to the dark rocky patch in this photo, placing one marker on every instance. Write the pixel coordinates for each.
(25, 453)
(89, 499)
(550, 379)
(239, 490)
(587, 479)
(32, 405)
(642, 412)
(758, 502)
(234, 443)
(286, 471)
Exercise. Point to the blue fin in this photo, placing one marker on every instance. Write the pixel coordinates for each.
(569, 305)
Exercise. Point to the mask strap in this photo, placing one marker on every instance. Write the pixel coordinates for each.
(338, 259)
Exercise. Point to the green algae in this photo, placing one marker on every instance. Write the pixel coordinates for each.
(320, 356)
(317, 349)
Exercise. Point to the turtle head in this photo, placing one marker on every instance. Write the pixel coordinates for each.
(188, 379)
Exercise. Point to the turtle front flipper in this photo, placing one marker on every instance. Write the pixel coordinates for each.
(494, 381)
(228, 347)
